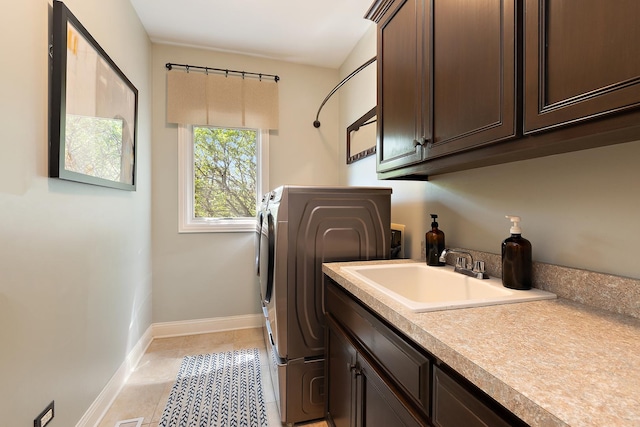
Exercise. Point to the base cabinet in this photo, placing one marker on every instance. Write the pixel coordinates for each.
(341, 368)
(455, 406)
(375, 376)
(360, 395)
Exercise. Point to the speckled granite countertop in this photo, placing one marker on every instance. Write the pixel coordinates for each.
(552, 363)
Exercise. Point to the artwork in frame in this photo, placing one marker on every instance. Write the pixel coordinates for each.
(94, 109)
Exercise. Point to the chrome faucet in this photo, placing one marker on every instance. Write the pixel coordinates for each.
(472, 269)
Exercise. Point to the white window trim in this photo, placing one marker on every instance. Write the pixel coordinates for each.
(187, 223)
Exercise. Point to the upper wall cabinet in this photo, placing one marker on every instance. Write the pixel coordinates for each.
(465, 84)
(404, 126)
(474, 74)
(582, 60)
(446, 77)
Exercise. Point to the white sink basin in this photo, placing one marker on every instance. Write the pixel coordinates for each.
(423, 288)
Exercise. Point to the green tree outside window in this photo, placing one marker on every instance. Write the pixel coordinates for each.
(225, 172)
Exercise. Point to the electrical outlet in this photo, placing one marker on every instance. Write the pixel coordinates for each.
(44, 417)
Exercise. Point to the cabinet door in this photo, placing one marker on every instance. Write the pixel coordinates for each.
(340, 378)
(455, 406)
(381, 406)
(403, 85)
(474, 74)
(582, 60)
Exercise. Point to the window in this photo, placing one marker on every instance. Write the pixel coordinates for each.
(222, 176)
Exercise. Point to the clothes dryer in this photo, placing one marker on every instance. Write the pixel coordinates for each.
(303, 227)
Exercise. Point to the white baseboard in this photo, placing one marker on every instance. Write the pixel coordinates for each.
(204, 326)
(101, 405)
(109, 393)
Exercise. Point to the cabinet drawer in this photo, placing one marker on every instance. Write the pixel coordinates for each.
(454, 406)
(409, 368)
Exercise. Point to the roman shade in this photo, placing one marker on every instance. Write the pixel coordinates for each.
(221, 100)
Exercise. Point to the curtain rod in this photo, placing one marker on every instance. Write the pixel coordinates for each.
(226, 71)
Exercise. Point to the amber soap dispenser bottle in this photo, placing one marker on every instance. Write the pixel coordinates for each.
(517, 264)
(434, 241)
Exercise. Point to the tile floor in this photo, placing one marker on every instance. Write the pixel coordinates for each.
(147, 390)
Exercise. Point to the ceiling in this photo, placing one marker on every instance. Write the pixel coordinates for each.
(312, 32)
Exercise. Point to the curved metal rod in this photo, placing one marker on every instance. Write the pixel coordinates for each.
(316, 123)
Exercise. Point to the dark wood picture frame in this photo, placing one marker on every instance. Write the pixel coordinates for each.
(94, 109)
(367, 119)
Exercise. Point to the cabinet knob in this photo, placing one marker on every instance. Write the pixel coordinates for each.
(355, 369)
(424, 142)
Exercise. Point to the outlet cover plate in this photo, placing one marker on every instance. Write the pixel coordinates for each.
(45, 416)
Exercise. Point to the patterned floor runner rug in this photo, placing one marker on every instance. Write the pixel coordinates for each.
(217, 390)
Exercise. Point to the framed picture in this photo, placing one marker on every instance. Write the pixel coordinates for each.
(94, 110)
(361, 137)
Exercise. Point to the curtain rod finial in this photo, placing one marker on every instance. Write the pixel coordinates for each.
(316, 124)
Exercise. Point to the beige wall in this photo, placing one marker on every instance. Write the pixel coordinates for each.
(207, 275)
(75, 259)
(578, 209)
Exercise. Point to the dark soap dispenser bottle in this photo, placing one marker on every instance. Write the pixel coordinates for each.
(434, 241)
(517, 264)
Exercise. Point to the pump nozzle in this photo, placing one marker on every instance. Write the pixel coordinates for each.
(515, 228)
(434, 218)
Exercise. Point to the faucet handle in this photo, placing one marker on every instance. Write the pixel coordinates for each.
(461, 262)
(479, 270)
(478, 267)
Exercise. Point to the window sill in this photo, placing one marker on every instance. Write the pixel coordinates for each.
(218, 226)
